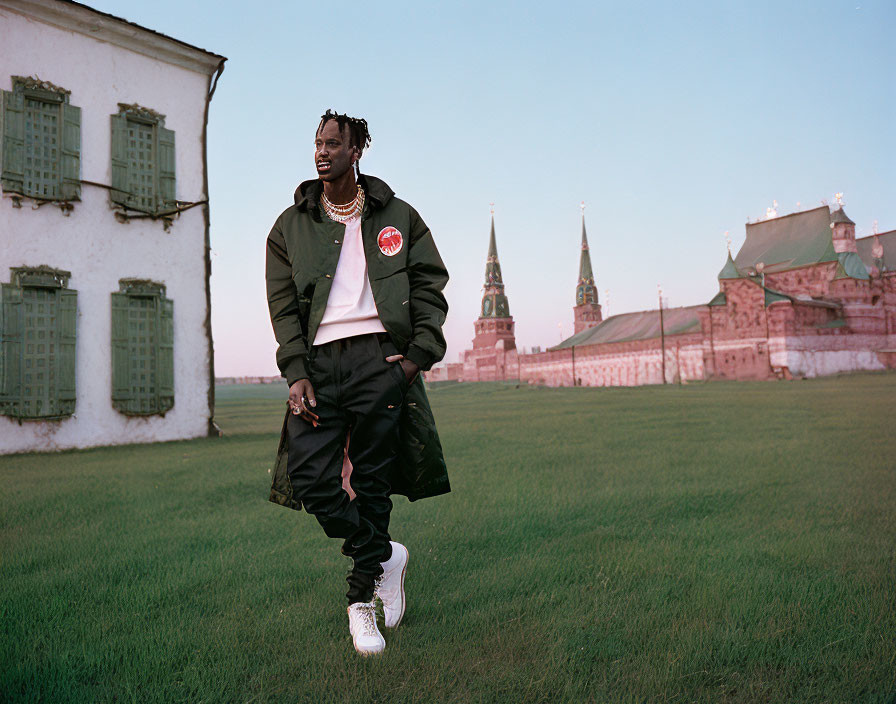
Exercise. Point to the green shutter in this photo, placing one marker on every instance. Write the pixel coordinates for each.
(13, 177)
(71, 152)
(165, 369)
(119, 192)
(167, 193)
(10, 349)
(67, 321)
(121, 373)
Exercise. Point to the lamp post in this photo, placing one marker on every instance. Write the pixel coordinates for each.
(662, 332)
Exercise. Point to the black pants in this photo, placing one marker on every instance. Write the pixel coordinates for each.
(357, 389)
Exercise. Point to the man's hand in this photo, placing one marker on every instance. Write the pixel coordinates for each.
(301, 401)
(409, 368)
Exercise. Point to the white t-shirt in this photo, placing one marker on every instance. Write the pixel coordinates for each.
(351, 309)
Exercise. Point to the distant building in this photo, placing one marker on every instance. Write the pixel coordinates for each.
(105, 320)
(802, 298)
(586, 313)
(494, 355)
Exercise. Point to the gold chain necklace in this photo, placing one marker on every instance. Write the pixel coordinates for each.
(345, 212)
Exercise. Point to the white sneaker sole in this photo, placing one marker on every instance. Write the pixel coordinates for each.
(367, 653)
(404, 602)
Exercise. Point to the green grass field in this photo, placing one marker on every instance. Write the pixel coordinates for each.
(729, 542)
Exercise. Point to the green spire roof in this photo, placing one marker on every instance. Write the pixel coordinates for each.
(840, 216)
(586, 275)
(492, 266)
(730, 271)
(494, 300)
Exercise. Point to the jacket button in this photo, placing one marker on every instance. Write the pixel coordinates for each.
(328, 276)
(335, 241)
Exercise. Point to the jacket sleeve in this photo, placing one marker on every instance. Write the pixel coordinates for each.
(427, 277)
(292, 353)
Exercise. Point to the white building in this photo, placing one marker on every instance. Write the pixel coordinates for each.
(105, 321)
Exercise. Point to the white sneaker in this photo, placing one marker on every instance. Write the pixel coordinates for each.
(390, 585)
(362, 625)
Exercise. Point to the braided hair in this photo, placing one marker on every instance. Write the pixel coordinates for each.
(358, 134)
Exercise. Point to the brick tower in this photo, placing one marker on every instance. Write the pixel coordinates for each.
(587, 310)
(494, 356)
(495, 325)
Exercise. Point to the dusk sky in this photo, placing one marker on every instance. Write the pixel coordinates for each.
(673, 124)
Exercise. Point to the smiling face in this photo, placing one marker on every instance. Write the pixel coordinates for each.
(333, 155)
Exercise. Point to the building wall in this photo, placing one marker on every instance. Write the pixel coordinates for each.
(745, 339)
(96, 248)
(811, 280)
(632, 363)
(490, 364)
(819, 355)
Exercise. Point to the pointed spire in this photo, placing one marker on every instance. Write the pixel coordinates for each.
(730, 271)
(492, 265)
(492, 244)
(494, 301)
(586, 274)
(840, 216)
(586, 313)
(586, 291)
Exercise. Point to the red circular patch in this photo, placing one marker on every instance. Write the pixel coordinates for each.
(390, 241)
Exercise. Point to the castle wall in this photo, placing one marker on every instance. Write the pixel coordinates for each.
(826, 325)
(494, 364)
(632, 363)
(819, 355)
(813, 280)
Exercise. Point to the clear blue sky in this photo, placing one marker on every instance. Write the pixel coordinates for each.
(673, 124)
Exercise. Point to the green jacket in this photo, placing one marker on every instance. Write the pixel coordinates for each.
(406, 277)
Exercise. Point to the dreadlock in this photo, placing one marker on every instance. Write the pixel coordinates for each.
(358, 135)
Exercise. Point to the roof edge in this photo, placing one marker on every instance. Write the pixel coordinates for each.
(876, 234)
(762, 221)
(75, 17)
(562, 343)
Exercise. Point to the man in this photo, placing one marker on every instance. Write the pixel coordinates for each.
(354, 285)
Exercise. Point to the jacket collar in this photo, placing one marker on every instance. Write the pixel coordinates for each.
(307, 196)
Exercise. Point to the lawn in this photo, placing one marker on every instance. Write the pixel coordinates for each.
(726, 542)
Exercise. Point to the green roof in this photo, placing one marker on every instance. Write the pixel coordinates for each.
(852, 266)
(643, 325)
(775, 296)
(585, 271)
(720, 299)
(729, 271)
(788, 242)
(840, 216)
(887, 241)
(493, 278)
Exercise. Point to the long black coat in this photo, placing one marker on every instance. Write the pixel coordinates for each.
(302, 254)
(420, 471)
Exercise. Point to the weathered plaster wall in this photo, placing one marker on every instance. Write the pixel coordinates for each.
(96, 248)
(818, 355)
